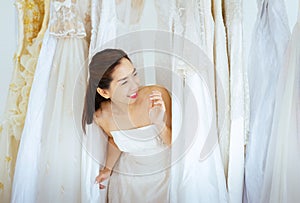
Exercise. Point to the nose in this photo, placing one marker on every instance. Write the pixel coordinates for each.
(134, 83)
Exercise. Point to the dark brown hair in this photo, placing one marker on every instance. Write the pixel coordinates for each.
(100, 75)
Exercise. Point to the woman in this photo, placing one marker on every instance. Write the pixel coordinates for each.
(137, 121)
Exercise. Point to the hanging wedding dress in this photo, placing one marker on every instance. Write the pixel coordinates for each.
(195, 178)
(197, 172)
(270, 37)
(24, 190)
(32, 24)
(222, 82)
(235, 176)
(49, 160)
(60, 156)
(112, 19)
(281, 182)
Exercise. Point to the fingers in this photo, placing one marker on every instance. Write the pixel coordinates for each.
(99, 179)
(156, 108)
(156, 99)
(155, 95)
(158, 102)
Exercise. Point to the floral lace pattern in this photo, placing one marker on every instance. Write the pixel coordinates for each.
(65, 21)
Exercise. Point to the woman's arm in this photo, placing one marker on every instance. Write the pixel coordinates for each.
(112, 151)
(113, 154)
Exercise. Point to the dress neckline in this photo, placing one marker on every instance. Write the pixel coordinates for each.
(131, 129)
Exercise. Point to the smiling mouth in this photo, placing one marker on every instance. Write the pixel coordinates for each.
(134, 95)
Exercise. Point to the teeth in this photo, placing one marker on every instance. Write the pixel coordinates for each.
(133, 95)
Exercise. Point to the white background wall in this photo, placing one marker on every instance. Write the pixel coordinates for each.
(8, 38)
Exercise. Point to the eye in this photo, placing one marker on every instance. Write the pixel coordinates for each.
(135, 74)
(123, 83)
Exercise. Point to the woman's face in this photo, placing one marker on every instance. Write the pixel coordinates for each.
(124, 86)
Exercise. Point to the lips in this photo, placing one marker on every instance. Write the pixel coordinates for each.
(134, 95)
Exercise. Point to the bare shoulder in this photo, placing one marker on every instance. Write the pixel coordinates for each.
(103, 115)
(150, 88)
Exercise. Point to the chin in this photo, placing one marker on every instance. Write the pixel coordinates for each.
(131, 101)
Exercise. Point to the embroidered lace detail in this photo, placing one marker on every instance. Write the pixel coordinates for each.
(65, 20)
(184, 70)
(176, 21)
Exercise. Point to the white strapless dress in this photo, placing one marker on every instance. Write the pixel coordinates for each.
(141, 173)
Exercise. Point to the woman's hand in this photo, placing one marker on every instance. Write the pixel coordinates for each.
(157, 109)
(103, 175)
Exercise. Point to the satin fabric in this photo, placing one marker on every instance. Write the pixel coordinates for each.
(142, 171)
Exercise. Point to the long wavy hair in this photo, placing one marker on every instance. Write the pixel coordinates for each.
(101, 69)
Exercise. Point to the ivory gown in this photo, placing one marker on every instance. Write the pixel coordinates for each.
(269, 42)
(141, 173)
(48, 167)
(281, 183)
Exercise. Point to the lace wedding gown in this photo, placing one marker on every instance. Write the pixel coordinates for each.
(195, 178)
(48, 166)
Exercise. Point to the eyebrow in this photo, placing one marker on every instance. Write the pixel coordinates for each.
(126, 76)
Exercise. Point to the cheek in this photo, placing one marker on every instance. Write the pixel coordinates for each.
(115, 91)
(121, 91)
